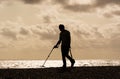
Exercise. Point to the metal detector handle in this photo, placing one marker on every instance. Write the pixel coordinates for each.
(47, 57)
(50, 51)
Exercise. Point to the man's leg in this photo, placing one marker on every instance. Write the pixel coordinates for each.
(63, 57)
(70, 58)
(64, 60)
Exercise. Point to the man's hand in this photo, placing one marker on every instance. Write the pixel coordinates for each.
(56, 46)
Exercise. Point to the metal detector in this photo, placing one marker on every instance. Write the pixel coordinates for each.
(47, 57)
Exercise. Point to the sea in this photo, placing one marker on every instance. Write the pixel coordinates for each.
(17, 64)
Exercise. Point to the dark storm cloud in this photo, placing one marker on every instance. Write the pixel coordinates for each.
(32, 1)
(8, 33)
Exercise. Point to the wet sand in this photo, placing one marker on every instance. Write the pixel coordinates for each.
(99, 72)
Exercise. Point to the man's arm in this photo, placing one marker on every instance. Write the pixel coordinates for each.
(58, 43)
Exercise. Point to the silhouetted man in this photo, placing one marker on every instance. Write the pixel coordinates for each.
(65, 39)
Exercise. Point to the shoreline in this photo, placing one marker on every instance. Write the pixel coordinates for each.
(55, 63)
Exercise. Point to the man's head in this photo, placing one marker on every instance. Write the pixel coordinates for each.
(61, 27)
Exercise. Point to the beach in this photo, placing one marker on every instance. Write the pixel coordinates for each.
(83, 69)
(98, 72)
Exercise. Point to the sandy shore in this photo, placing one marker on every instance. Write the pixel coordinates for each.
(102, 72)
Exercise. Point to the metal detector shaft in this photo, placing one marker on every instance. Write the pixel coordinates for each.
(48, 57)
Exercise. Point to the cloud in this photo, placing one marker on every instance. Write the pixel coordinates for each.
(117, 13)
(99, 38)
(87, 33)
(118, 26)
(24, 31)
(76, 7)
(79, 8)
(45, 33)
(108, 15)
(9, 33)
(97, 33)
(103, 3)
(82, 34)
(64, 2)
(32, 1)
(47, 19)
(2, 45)
(25, 1)
(114, 43)
(112, 14)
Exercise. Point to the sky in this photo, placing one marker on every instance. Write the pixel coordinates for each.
(29, 28)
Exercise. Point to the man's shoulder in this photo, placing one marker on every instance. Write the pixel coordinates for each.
(67, 31)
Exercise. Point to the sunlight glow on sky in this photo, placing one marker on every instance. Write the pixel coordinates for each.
(29, 28)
